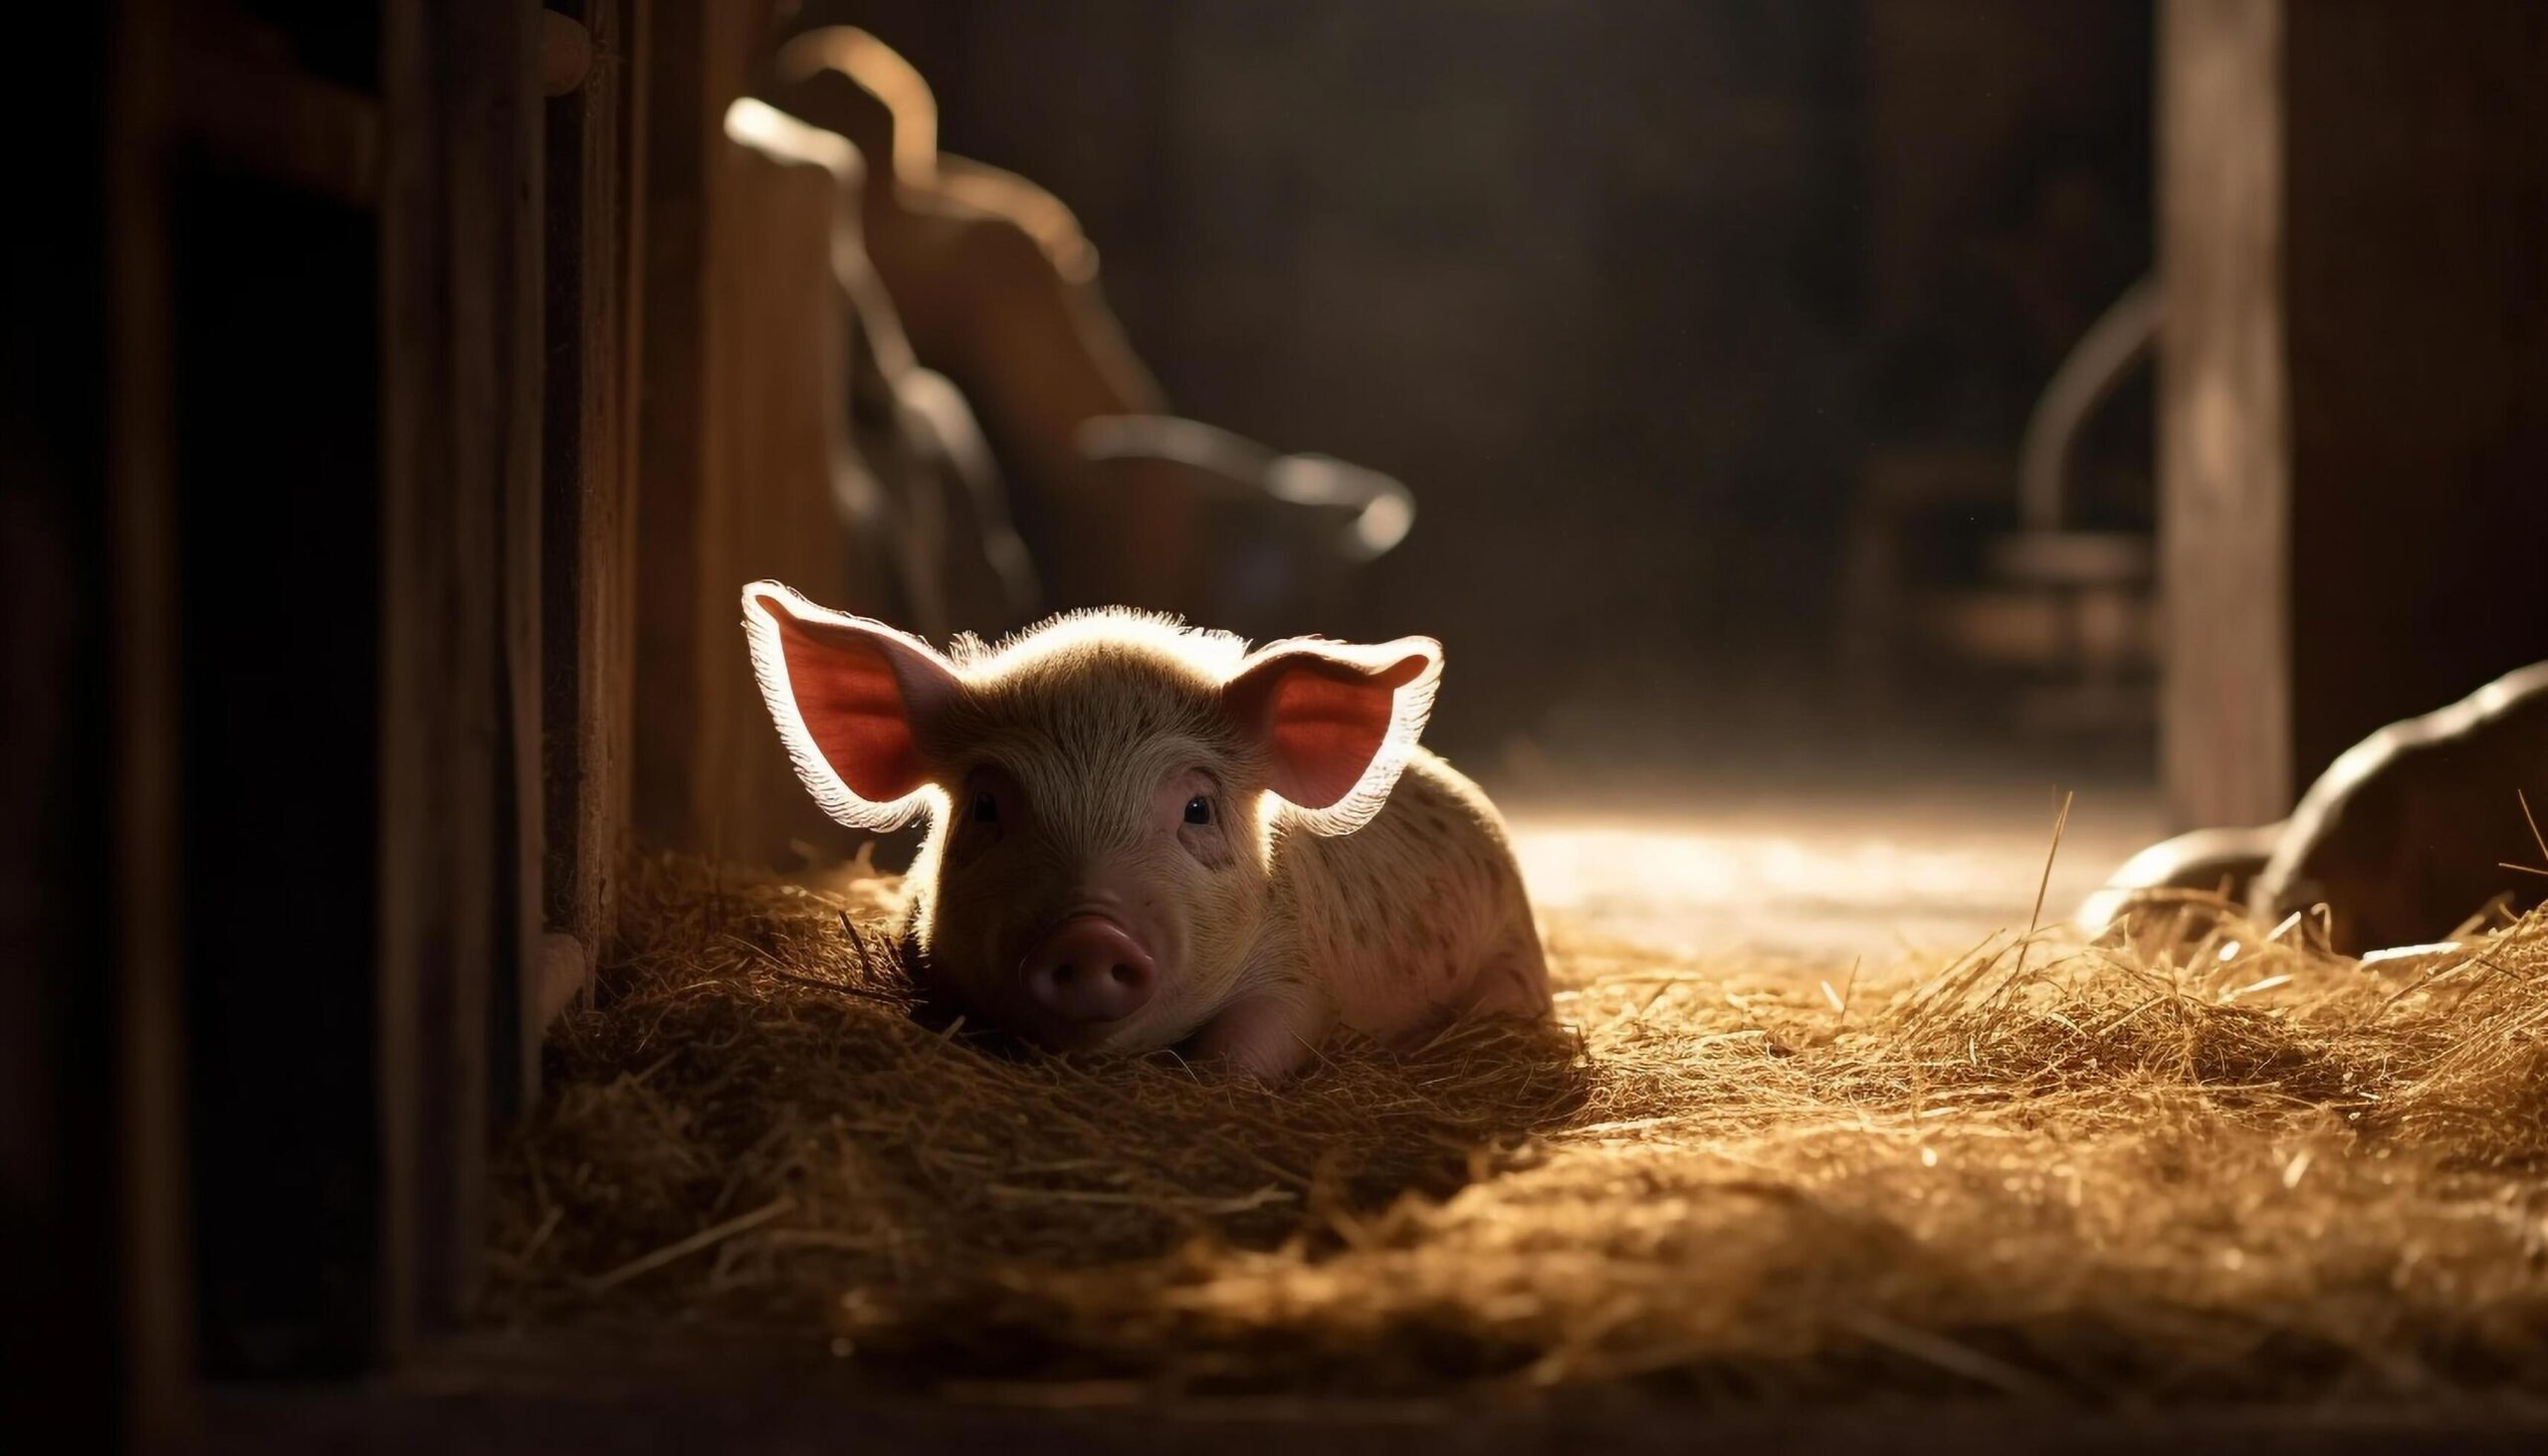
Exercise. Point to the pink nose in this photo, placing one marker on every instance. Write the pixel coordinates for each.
(1090, 969)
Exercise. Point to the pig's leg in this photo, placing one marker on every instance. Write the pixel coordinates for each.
(1513, 978)
(1265, 1034)
(1509, 985)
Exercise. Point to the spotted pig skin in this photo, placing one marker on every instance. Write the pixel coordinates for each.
(1418, 915)
(1256, 834)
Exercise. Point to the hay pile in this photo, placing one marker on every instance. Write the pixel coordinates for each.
(2210, 1163)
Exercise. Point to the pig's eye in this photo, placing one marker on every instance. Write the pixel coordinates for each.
(986, 807)
(1198, 811)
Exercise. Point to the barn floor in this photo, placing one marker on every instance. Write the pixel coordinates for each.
(1827, 1132)
(1873, 867)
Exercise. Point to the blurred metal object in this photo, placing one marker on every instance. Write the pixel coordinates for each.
(974, 292)
(2083, 600)
(1377, 510)
(2213, 867)
(936, 416)
(2081, 559)
(2089, 597)
(2067, 614)
(1283, 535)
(991, 284)
(2096, 590)
(2088, 376)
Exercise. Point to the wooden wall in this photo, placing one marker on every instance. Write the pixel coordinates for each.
(393, 419)
(288, 570)
(2354, 461)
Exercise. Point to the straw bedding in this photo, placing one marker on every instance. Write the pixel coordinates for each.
(2204, 1159)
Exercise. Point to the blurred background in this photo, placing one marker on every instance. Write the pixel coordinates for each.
(1709, 341)
(1661, 309)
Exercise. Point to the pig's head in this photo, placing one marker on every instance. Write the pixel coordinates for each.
(1104, 795)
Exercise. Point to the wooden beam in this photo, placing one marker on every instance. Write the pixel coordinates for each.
(2224, 517)
(593, 320)
(460, 419)
(151, 1204)
(744, 428)
(777, 381)
(681, 107)
(512, 160)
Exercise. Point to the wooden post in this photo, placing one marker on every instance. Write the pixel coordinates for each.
(2354, 237)
(143, 789)
(460, 488)
(671, 452)
(2224, 519)
(595, 196)
(745, 387)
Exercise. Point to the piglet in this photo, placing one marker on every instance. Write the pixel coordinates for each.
(1144, 835)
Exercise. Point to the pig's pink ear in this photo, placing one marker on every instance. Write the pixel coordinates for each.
(854, 701)
(1337, 720)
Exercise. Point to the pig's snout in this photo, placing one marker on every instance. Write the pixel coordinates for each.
(1090, 969)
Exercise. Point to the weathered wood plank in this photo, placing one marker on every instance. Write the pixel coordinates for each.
(514, 160)
(156, 1308)
(589, 462)
(2225, 514)
(459, 195)
(671, 450)
(777, 356)
(587, 588)
(744, 361)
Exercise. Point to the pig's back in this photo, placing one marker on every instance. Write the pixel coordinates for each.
(1421, 915)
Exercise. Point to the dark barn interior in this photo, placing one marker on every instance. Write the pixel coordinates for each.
(1876, 470)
